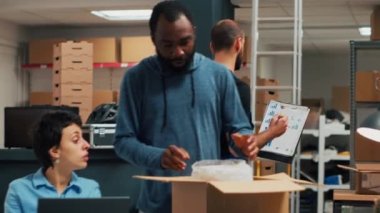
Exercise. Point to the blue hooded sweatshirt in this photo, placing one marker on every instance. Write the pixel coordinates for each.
(159, 107)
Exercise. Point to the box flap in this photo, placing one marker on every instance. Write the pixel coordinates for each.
(169, 179)
(363, 167)
(260, 186)
(283, 176)
(347, 168)
(368, 167)
(237, 187)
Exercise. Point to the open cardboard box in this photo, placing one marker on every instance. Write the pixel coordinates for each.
(367, 177)
(264, 195)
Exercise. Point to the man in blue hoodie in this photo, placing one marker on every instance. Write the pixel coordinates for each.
(173, 107)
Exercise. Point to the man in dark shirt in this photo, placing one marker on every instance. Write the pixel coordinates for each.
(227, 42)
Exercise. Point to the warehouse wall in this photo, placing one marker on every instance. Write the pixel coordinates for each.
(13, 80)
(103, 78)
(95, 31)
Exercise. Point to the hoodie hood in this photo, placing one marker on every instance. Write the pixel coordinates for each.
(153, 63)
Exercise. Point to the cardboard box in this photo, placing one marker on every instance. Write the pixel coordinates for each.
(72, 76)
(84, 113)
(116, 96)
(367, 177)
(41, 51)
(191, 195)
(259, 81)
(267, 82)
(70, 62)
(260, 111)
(105, 49)
(375, 24)
(366, 150)
(135, 48)
(102, 97)
(341, 98)
(72, 90)
(313, 103)
(73, 49)
(40, 98)
(284, 176)
(312, 120)
(265, 167)
(247, 50)
(316, 106)
(83, 103)
(265, 96)
(367, 86)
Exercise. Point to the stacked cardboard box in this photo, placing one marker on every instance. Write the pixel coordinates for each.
(106, 49)
(40, 98)
(73, 76)
(263, 97)
(366, 89)
(247, 50)
(41, 51)
(102, 97)
(375, 27)
(341, 98)
(316, 106)
(135, 48)
(264, 167)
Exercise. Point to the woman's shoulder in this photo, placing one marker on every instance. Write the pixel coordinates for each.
(21, 182)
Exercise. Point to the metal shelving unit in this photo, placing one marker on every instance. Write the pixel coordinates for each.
(355, 47)
(95, 65)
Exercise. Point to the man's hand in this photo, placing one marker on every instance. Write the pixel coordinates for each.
(278, 125)
(247, 144)
(174, 158)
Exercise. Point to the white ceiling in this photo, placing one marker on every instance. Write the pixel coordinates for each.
(328, 25)
(64, 12)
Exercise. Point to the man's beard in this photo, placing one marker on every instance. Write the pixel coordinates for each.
(239, 61)
(169, 62)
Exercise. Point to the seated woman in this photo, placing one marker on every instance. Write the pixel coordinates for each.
(60, 148)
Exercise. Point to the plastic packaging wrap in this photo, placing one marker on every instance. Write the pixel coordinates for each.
(222, 170)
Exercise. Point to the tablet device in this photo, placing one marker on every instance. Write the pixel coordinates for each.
(284, 147)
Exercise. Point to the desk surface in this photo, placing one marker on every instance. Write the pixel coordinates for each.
(350, 195)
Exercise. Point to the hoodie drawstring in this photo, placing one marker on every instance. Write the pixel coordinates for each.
(165, 104)
(192, 91)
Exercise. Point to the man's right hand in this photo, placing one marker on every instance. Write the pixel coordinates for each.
(247, 144)
(278, 125)
(174, 158)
